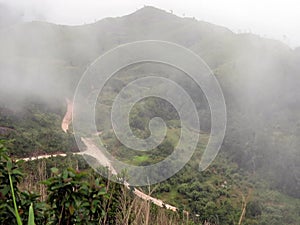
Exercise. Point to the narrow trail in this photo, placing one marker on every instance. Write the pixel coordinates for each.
(68, 116)
(94, 151)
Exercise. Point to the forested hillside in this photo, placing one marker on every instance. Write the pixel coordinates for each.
(41, 64)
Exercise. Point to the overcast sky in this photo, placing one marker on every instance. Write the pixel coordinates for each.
(268, 18)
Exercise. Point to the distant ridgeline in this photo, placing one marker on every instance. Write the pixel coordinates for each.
(41, 64)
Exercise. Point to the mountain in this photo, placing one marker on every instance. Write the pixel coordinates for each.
(67, 50)
(41, 64)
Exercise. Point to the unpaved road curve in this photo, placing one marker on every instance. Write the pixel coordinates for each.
(94, 151)
(68, 116)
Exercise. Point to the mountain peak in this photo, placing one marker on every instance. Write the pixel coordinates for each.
(150, 11)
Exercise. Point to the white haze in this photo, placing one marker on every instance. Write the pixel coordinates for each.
(260, 78)
(272, 19)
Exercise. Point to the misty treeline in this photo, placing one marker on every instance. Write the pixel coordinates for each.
(259, 78)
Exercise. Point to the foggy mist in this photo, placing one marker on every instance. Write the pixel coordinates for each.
(43, 61)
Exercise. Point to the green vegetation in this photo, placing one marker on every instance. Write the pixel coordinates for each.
(15, 204)
(81, 196)
(256, 170)
(74, 197)
(35, 129)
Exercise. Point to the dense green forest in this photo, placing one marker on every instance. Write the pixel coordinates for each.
(258, 167)
(66, 190)
(36, 129)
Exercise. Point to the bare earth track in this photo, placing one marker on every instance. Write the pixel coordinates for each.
(94, 151)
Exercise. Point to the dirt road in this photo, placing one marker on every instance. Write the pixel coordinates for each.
(68, 116)
(93, 150)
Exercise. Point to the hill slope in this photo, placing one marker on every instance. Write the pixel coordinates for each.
(259, 78)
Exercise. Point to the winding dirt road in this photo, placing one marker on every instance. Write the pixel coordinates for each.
(68, 116)
(94, 151)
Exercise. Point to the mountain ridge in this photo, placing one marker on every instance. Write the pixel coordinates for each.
(258, 76)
